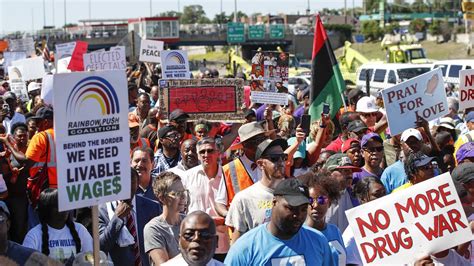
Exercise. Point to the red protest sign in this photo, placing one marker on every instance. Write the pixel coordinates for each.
(77, 61)
(212, 99)
(3, 46)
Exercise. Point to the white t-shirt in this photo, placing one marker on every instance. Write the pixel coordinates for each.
(352, 253)
(61, 243)
(250, 208)
(202, 191)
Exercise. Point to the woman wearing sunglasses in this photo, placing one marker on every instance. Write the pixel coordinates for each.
(161, 234)
(323, 190)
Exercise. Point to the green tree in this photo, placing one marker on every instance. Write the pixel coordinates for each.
(240, 15)
(417, 25)
(220, 18)
(194, 14)
(371, 30)
(169, 14)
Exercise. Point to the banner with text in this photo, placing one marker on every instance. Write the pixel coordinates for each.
(9, 57)
(422, 96)
(26, 45)
(32, 68)
(150, 51)
(64, 50)
(423, 219)
(175, 64)
(91, 133)
(106, 60)
(211, 99)
(466, 89)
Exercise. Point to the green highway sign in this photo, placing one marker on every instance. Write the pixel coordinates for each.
(256, 32)
(235, 32)
(277, 31)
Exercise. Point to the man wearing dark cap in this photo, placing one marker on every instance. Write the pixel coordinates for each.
(463, 176)
(372, 151)
(344, 121)
(178, 118)
(357, 129)
(8, 115)
(341, 168)
(284, 240)
(469, 136)
(168, 155)
(418, 168)
(252, 206)
(351, 148)
(465, 153)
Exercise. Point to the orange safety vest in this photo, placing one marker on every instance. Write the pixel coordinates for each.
(142, 143)
(236, 178)
(51, 161)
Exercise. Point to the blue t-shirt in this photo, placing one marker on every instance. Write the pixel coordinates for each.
(333, 235)
(259, 247)
(394, 176)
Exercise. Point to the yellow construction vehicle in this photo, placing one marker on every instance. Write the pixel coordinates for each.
(349, 62)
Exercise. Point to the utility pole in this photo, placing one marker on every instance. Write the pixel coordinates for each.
(65, 19)
(345, 11)
(54, 24)
(151, 9)
(90, 10)
(44, 13)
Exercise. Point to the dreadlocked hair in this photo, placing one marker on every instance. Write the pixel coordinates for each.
(75, 235)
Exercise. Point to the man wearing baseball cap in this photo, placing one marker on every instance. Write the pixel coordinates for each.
(351, 148)
(283, 240)
(372, 151)
(418, 168)
(469, 136)
(341, 169)
(167, 156)
(465, 153)
(252, 206)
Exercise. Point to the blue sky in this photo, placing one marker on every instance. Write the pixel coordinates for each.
(25, 15)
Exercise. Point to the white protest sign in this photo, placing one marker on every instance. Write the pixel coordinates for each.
(9, 57)
(19, 88)
(62, 65)
(269, 97)
(92, 137)
(422, 96)
(175, 64)
(33, 68)
(423, 219)
(64, 50)
(466, 89)
(26, 45)
(111, 60)
(47, 89)
(15, 73)
(150, 51)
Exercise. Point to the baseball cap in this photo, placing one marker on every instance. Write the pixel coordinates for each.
(268, 143)
(34, 86)
(250, 130)
(353, 93)
(301, 152)
(356, 125)
(423, 160)
(164, 130)
(250, 112)
(446, 122)
(465, 151)
(178, 115)
(4, 208)
(370, 136)
(340, 161)
(366, 104)
(463, 173)
(294, 192)
(44, 113)
(411, 132)
(9, 95)
(470, 117)
(349, 144)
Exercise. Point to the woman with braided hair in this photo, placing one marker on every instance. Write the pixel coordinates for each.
(57, 236)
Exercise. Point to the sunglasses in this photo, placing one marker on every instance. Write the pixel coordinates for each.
(274, 158)
(425, 167)
(374, 149)
(368, 114)
(173, 136)
(321, 200)
(209, 151)
(189, 235)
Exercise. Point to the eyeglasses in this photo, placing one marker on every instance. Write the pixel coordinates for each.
(173, 136)
(321, 200)
(179, 194)
(426, 167)
(368, 114)
(209, 151)
(276, 157)
(374, 149)
(190, 234)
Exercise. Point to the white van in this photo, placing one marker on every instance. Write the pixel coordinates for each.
(385, 75)
(451, 69)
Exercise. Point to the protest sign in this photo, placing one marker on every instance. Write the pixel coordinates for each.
(106, 60)
(269, 75)
(15, 72)
(420, 220)
(47, 89)
(211, 99)
(422, 96)
(466, 89)
(150, 51)
(62, 65)
(91, 131)
(77, 60)
(64, 50)
(26, 45)
(9, 57)
(3, 46)
(19, 88)
(33, 68)
(175, 64)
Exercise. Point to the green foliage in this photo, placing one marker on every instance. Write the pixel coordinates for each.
(417, 25)
(392, 27)
(170, 14)
(435, 27)
(194, 14)
(240, 14)
(220, 18)
(345, 29)
(371, 30)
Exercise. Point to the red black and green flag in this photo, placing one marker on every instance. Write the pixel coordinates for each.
(327, 84)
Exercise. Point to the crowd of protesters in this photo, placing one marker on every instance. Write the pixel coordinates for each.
(260, 192)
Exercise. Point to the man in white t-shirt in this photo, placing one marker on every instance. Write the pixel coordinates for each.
(253, 206)
(202, 182)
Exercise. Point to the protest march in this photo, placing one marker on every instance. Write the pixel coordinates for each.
(129, 155)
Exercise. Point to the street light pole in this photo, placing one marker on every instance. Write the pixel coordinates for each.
(44, 13)
(54, 24)
(65, 19)
(151, 9)
(90, 11)
(235, 10)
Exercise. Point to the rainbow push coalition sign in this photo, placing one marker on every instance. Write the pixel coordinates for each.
(92, 138)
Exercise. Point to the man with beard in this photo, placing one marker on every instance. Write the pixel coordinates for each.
(196, 250)
(252, 207)
(168, 155)
(284, 240)
(189, 158)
